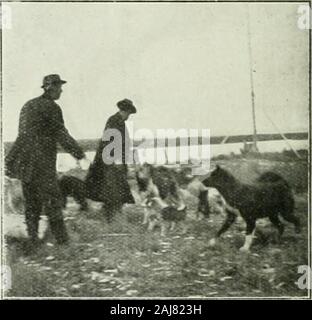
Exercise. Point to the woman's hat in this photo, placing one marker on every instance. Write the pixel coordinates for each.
(126, 105)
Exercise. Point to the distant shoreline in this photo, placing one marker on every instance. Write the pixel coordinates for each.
(91, 144)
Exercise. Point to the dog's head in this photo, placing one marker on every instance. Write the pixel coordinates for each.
(161, 178)
(183, 176)
(143, 176)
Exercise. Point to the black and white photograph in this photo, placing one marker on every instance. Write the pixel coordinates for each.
(155, 150)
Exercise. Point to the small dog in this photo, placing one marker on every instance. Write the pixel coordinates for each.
(160, 192)
(14, 225)
(209, 199)
(269, 196)
(164, 186)
(73, 187)
(185, 179)
(165, 214)
(13, 196)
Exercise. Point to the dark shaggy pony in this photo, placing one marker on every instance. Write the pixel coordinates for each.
(270, 196)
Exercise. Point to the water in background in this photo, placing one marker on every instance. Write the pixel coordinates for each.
(66, 162)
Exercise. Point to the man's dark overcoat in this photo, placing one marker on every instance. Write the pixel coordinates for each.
(41, 127)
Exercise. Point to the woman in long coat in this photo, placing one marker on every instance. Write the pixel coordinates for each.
(107, 182)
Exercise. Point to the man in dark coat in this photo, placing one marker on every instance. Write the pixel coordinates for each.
(32, 158)
(107, 182)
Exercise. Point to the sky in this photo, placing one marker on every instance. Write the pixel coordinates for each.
(184, 65)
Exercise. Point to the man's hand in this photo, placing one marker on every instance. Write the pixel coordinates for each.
(83, 163)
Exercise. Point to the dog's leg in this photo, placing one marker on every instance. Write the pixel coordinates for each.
(64, 200)
(173, 224)
(9, 191)
(164, 225)
(230, 219)
(10, 202)
(180, 203)
(84, 206)
(162, 204)
(151, 224)
(82, 199)
(177, 199)
(250, 231)
(163, 229)
(184, 228)
(83, 202)
(146, 216)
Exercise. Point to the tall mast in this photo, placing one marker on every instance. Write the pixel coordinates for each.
(251, 83)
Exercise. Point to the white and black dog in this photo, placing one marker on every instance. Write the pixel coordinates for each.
(13, 196)
(161, 196)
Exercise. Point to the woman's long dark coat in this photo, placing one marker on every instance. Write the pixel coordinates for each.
(108, 183)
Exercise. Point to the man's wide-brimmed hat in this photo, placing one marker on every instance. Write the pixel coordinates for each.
(126, 105)
(52, 79)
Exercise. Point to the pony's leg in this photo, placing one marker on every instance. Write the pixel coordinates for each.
(230, 219)
(250, 231)
(277, 223)
(203, 204)
(290, 217)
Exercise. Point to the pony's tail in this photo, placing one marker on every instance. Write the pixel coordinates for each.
(272, 177)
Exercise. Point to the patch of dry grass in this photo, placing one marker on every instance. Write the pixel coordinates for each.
(124, 259)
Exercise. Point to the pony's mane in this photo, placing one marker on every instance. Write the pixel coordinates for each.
(229, 176)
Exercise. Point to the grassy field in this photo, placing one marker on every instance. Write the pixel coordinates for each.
(123, 259)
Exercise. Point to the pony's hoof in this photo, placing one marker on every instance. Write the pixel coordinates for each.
(244, 249)
(212, 242)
